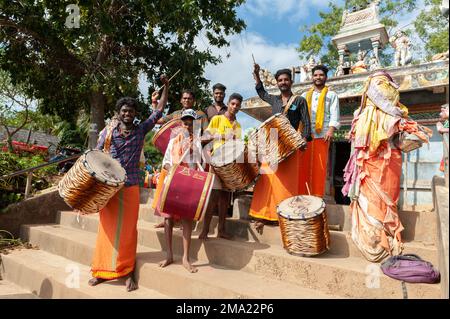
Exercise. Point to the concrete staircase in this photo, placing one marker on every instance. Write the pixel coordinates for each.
(252, 265)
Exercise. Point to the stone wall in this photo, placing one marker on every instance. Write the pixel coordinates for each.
(41, 209)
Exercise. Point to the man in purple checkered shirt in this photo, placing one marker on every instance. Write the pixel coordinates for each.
(115, 249)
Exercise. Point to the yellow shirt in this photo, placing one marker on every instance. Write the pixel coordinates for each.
(221, 125)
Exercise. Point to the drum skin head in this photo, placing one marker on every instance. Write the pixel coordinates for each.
(103, 167)
(301, 207)
(229, 152)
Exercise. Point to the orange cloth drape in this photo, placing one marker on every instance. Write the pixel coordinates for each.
(115, 250)
(159, 187)
(314, 162)
(272, 188)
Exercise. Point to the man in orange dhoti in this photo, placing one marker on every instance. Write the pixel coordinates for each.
(323, 106)
(288, 179)
(115, 250)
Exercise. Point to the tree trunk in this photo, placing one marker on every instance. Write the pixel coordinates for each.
(97, 117)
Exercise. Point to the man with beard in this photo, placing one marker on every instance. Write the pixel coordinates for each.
(218, 108)
(115, 249)
(323, 106)
(273, 186)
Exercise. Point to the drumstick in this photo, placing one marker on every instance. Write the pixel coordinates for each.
(253, 59)
(159, 88)
(307, 187)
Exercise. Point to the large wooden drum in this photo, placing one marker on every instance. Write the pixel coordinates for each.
(303, 225)
(186, 193)
(92, 181)
(162, 137)
(235, 168)
(276, 146)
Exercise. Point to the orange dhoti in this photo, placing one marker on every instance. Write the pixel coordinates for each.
(115, 250)
(276, 185)
(315, 162)
(159, 187)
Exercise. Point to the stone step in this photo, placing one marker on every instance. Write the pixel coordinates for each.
(9, 290)
(50, 276)
(212, 281)
(340, 241)
(331, 274)
(419, 225)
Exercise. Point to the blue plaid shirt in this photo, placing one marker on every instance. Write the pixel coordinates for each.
(127, 150)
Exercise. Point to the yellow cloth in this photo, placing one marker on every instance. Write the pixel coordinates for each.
(221, 125)
(320, 113)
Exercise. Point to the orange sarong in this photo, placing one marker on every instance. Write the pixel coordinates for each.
(115, 250)
(314, 162)
(159, 187)
(274, 187)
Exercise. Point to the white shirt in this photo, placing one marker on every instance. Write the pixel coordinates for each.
(331, 117)
(190, 159)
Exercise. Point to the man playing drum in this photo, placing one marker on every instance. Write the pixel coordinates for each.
(115, 250)
(187, 102)
(288, 179)
(323, 106)
(185, 142)
(221, 128)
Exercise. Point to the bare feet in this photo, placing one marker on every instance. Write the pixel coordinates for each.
(130, 283)
(259, 226)
(189, 267)
(166, 262)
(95, 281)
(160, 225)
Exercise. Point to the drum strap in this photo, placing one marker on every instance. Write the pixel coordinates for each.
(288, 104)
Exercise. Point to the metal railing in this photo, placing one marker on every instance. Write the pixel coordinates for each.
(29, 172)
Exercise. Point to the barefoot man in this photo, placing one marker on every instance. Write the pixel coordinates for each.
(221, 128)
(185, 141)
(288, 179)
(115, 250)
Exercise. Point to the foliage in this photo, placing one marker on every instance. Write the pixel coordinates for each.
(152, 154)
(317, 40)
(12, 189)
(432, 28)
(90, 67)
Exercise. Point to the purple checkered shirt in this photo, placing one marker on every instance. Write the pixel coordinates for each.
(127, 150)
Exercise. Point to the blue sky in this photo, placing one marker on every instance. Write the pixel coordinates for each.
(272, 35)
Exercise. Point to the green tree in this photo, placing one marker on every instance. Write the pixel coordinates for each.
(317, 40)
(70, 67)
(14, 107)
(432, 28)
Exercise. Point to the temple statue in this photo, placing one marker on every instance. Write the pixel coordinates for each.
(360, 66)
(267, 78)
(374, 64)
(400, 42)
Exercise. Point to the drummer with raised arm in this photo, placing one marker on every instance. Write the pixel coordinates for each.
(288, 179)
(221, 128)
(115, 250)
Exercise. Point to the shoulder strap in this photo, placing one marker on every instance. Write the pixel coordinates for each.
(288, 104)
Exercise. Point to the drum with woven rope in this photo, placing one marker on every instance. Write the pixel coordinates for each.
(185, 193)
(92, 181)
(278, 145)
(304, 225)
(162, 137)
(235, 168)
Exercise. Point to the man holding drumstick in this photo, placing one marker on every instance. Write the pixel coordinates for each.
(288, 179)
(115, 250)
